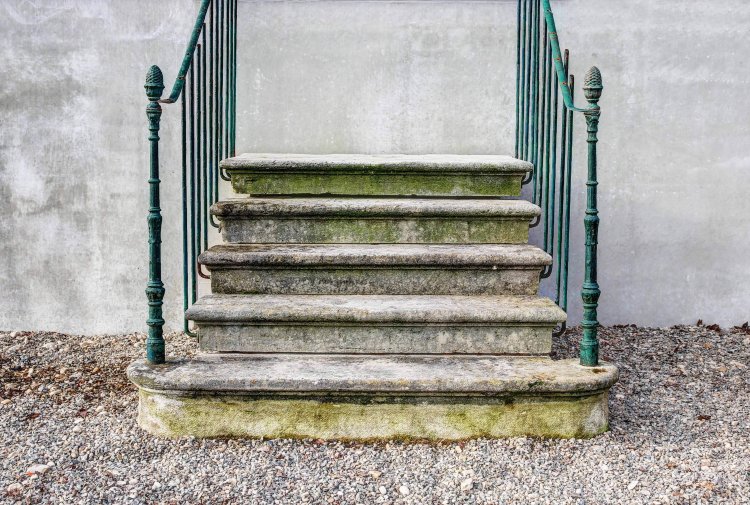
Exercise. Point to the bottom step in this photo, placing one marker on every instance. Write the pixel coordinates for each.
(366, 397)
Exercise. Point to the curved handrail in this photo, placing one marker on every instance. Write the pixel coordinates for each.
(179, 83)
(557, 55)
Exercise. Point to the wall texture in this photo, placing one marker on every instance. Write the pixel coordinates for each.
(371, 76)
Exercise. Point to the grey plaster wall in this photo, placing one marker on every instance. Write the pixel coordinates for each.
(371, 76)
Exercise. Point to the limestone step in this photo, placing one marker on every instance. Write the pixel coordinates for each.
(379, 269)
(369, 396)
(359, 174)
(425, 324)
(375, 220)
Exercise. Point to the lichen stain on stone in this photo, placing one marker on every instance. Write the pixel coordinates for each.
(230, 417)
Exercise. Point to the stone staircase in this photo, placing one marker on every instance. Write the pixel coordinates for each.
(363, 297)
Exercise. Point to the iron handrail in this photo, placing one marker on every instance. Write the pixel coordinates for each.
(557, 56)
(187, 60)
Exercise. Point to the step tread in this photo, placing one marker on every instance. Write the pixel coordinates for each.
(377, 309)
(396, 374)
(375, 255)
(373, 207)
(383, 163)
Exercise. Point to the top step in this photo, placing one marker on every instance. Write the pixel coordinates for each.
(376, 175)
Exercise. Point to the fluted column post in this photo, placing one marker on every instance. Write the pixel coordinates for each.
(155, 288)
(590, 293)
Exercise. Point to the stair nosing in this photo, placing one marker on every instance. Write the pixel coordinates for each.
(373, 208)
(439, 164)
(377, 309)
(367, 373)
(374, 256)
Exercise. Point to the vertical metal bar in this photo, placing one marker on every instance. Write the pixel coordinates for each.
(211, 99)
(217, 96)
(227, 76)
(524, 92)
(534, 92)
(199, 211)
(193, 240)
(155, 352)
(542, 126)
(568, 176)
(205, 204)
(549, 175)
(590, 293)
(561, 298)
(185, 273)
(553, 177)
(527, 81)
(221, 80)
(518, 75)
(233, 136)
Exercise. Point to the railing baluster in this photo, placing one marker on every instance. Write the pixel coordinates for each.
(590, 293)
(549, 179)
(534, 93)
(561, 298)
(155, 348)
(233, 136)
(204, 143)
(185, 272)
(192, 192)
(213, 158)
(518, 77)
(553, 167)
(220, 111)
(543, 176)
(568, 177)
(198, 203)
(227, 74)
(527, 86)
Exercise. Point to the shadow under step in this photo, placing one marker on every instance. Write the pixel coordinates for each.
(375, 220)
(426, 324)
(372, 397)
(383, 175)
(379, 269)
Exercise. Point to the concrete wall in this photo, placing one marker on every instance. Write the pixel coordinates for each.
(371, 76)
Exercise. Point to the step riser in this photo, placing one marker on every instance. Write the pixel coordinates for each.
(374, 417)
(367, 184)
(375, 339)
(372, 231)
(375, 281)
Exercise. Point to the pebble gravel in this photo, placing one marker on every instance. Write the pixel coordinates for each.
(680, 434)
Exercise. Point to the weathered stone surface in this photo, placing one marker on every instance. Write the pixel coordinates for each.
(472, 163)
(400, 269)
(354, 174)
(375, 220)
(376, 324)
(367, 397)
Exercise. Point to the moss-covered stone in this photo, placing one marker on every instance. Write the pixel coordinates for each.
(372, 418)
(364, 184)
(377, 231)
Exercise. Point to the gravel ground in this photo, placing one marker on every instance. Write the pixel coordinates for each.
(680, 419)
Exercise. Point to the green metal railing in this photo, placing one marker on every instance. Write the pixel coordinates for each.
(544, 137)
(206, 88)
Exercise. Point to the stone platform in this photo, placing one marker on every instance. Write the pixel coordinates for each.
(369, 397)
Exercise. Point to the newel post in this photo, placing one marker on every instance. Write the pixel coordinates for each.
(590, 293)
(155, 288)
